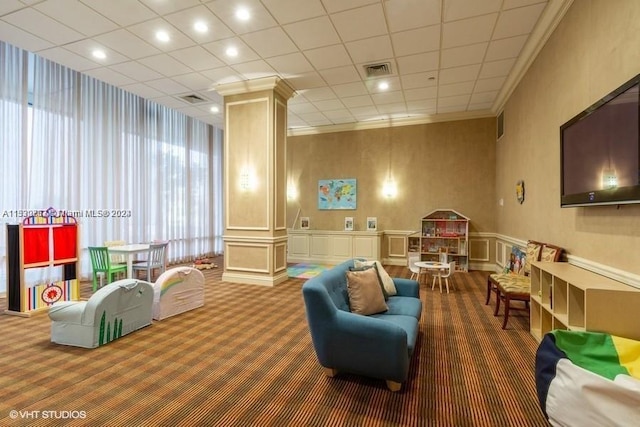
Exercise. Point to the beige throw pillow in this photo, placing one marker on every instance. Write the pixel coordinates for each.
(387, 281)
(365, 294)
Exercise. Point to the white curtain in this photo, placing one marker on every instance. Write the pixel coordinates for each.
(129, 169)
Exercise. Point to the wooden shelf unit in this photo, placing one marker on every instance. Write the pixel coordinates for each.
(567, 297)
(445, 230)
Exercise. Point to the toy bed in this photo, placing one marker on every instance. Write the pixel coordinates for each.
(588, 379)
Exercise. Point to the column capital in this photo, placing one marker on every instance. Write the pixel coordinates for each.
(274, 83)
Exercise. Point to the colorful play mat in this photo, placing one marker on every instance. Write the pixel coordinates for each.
(306, 271)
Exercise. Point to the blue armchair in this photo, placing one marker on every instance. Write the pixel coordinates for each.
(378, 345)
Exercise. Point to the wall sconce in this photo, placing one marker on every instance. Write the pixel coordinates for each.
(247, 180)
(609, 179)
(389, 189)
(292, 192)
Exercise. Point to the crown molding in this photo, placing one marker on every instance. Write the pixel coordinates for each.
(551, 17)
(392, 122)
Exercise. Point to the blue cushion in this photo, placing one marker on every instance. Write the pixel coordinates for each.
(406, 306)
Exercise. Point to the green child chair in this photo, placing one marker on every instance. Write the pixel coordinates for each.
(101, 263)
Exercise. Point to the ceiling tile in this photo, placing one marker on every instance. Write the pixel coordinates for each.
(186, 19)
(357, 101)
(303, 108)
(484, 97)
(356, 24)
(463, 55)
(254, 69)
(423, 39)
(167, 86)
(468, 31)
(122, 12)
(286, 11)
(421, 93)
(25, 40)
(147, 31)
(519, 21)
(510, 4)
(163, 7)
(291, 64)
(412, 81)
(464, 88)
(350, 89)
(219, 48)
(86, 47)
(166, 65)
(370, 50)
(505, 48)
(459, 74)
(40, 25)
(63, 56)
(393, 108)
(143, 90)
(317, 32)
(260, 17)
(428, 105)
(197, 58)
(269, 43)
(409, 14)
(222, 75)
(338, 114)
(496, 68)
(328, 57)
(339, 75)
(333, 6)
(451, 101)
(387, 97)
(418, 63)
(109, 76)
(7, 6)
(328, 105)
(77, 16)
(194, 81)
(136, 71)
(482, 106)
(486, 85)
(460, 9)
(127, 44)
(319, 94)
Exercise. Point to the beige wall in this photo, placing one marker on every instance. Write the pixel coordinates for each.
(438, 165)
(594, 50)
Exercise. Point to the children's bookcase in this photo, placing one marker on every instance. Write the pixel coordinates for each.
(47, 240)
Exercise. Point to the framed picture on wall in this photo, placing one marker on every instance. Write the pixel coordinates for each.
(348, 223)
(372, 223)
(337, 194)
(304, 223)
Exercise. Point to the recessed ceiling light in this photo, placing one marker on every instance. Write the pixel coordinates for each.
(98, 53)
(383, 85)
(243, 14)
(232, 51)
(200, 27)
(163, 36)
(215, 109)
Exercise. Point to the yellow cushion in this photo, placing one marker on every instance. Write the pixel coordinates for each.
(533, 254)
(548, 254)
(513, 283)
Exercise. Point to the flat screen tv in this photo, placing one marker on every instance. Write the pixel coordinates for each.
(600, 151)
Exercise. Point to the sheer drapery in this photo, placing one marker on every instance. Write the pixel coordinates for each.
(129, 168)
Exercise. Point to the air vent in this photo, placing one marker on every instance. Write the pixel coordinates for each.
(377, 70)
(193, 98)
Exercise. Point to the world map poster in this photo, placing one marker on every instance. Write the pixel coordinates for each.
(337, 194)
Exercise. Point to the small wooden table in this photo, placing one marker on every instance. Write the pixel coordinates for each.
(432, 266)
(129, 251)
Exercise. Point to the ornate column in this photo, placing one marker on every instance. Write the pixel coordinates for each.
(255, 199)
